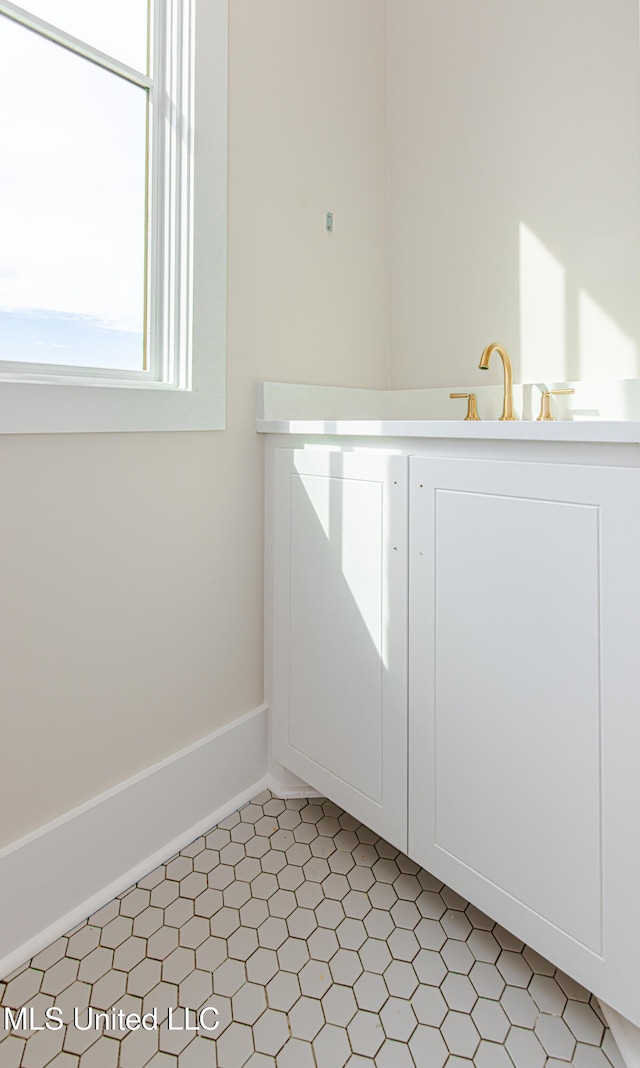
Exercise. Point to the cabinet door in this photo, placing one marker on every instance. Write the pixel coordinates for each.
(524, 720)
(339, 701)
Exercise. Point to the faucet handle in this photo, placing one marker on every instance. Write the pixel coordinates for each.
(472, 408)
(545, 403)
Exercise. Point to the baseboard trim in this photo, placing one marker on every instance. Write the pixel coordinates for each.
(55, 877)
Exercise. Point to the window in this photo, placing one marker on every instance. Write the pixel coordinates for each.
(113, 215)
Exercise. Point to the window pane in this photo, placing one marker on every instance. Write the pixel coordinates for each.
(72, 207)
(119, 27)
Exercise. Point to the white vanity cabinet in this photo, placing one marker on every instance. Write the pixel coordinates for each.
(453, 657)
(524, 667)
(338, 636)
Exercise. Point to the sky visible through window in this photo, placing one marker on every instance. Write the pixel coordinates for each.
(73, 190)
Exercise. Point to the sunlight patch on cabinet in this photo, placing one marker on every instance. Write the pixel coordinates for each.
(336, 614)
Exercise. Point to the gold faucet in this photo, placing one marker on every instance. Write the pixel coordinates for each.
(507, 407)
(472, 407)
(545, 403)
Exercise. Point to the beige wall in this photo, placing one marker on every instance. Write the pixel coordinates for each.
(515, 188)
(131, 565)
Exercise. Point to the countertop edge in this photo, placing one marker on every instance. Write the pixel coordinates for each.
(621, 431)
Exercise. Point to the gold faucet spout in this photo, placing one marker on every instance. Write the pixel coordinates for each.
(507, 407)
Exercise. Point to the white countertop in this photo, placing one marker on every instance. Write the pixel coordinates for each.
(593, 430)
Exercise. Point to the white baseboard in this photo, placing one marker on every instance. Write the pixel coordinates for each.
(626, 1035)
(55, 877)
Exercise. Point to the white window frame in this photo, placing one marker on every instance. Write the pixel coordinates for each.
(184, 385)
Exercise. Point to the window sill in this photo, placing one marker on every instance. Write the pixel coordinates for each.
(35, 408)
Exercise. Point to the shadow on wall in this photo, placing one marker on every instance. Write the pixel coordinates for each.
(570, 123)
(565, 335)
(514, 189)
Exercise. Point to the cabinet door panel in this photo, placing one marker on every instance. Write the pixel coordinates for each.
(339, 684)
(517, 701)
(524, 588)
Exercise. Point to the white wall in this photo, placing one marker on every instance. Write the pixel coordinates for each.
(131, 565)
(514, 189)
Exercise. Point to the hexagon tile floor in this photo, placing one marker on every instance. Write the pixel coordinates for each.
(319, 945)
